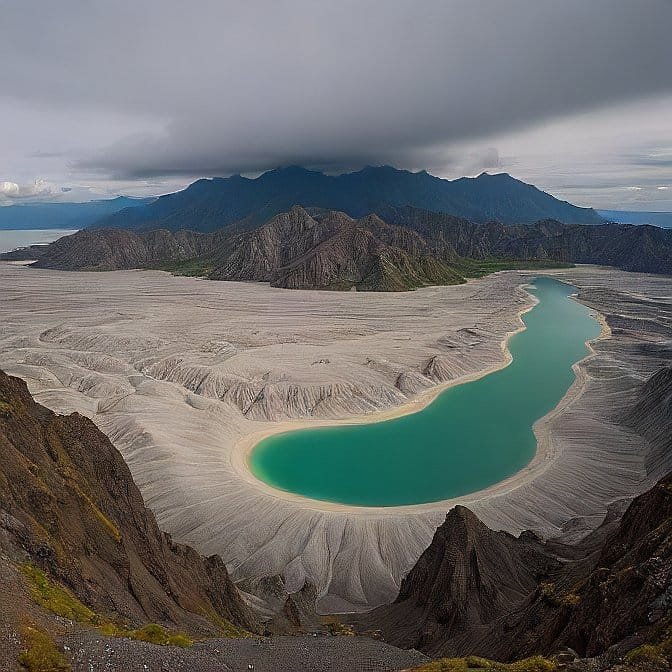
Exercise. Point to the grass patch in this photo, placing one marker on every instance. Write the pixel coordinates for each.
(111, 528)
(658, 655)
(477, 268)
(476, 664)
(647, 653)
(40, 653)
(157, 634)
(335, 627)
(62, 602)
(198, 267)
(225, 627)
(570, 600)
(54, 598)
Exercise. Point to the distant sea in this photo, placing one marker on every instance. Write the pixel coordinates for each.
(11, 239)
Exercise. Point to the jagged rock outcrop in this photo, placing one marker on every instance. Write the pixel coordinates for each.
(645, 249)
(614, 600)
(257, 255)
(69, 505)
(479, 592)
(467, 577)
(356, 255)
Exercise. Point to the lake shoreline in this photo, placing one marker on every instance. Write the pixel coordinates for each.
(544, 454)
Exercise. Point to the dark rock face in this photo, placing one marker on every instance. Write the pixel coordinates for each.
(645, 249)
(618, 600)
(475, 591)
(468, 577)
(69, 505)
(293, 250)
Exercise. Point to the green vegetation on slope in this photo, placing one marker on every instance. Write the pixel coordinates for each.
(395, 278)
(196, 267)
(225, 627)
(54, 598)
(62, 602)
(477, 268)
(476, 664)
(40, 653)
(653, 656)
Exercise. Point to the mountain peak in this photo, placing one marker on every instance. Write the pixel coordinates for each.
(495, 176)
(289, 171)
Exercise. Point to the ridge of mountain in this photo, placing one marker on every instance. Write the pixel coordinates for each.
(292, 250)
(211, 204)
(400, 249)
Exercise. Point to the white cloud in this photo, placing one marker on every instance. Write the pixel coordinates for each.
(9, 189)
(32, 191)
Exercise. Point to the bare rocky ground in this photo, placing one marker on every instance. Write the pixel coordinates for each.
(177, 371)
(93, 653)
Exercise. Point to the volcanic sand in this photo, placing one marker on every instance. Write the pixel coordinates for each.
(186, 375)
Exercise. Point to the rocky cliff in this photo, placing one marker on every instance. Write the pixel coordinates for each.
(70, 509)
(645, 249)
(477, 591)
(114, 249)
(468, 576)
(617, 599)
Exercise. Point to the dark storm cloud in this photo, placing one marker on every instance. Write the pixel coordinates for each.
(222, 87)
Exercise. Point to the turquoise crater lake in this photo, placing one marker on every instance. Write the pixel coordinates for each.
(471, 436)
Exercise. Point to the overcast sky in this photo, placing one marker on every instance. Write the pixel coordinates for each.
(142, 96)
